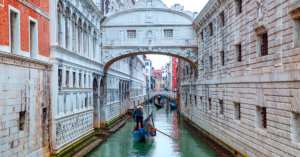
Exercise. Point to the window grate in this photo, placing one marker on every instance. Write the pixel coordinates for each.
(168, 33)
(239, 49)
(264, 44)
(131, 33)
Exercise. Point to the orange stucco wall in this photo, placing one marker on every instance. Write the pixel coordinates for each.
(25, 12)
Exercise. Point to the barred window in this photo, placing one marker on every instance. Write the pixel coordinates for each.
(211, 29)
(264, 44)
(131, 33)
(222, 58)
(168, 33)
(239, 52)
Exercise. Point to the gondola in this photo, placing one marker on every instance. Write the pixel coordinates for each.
(145, 133)
(173, 105)
(159, 105)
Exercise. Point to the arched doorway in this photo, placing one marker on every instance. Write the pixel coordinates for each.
(96, 104)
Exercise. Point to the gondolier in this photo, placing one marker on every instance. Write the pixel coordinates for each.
(138, 115)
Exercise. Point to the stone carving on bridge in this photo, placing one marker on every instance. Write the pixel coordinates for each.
(70, 128)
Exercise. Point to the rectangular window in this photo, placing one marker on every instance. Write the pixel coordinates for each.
(211, 29)
(221, 111)
(22, 116)
(239, 52)
(59, 78)
(261, 117)
(195, 100)
(168, 33)
(209, 104)
(85, 101)
(84, 80)
(79, 80)
(67, 78)
(239, 6)
(131, 33)
(211, 62)
(14, 31)
(222, 17)
(264, 44)
(74, 79)
(202, 36)
(295, 128)
(186, 99)
(222, 58)
(33, 41)
(237, 111)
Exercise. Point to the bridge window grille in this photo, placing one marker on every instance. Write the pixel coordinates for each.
(168, 33)
(131, 34)
(211, 29)
(261, 119)
(239, 52)
(221, 111)
(237, 111)
(295, 128)
(59, 78)
(264, 44)
(67, 78)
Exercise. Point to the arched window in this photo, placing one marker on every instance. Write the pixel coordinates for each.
(74, 32)
(59, 14)
(79, 35)
(67, 18)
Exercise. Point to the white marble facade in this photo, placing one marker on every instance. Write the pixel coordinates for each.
(84, 95)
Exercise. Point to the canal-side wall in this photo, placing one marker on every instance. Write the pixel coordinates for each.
(243, 95)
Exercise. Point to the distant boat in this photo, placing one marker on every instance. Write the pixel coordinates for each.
(159, 105)
(145, 133)
(173, 105)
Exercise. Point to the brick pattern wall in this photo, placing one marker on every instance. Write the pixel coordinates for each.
(270, 81)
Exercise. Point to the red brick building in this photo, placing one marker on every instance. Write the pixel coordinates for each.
(20, 17)
(25, 83)
(174, 74)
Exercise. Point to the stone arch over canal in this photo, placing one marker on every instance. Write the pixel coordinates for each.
(149, 28)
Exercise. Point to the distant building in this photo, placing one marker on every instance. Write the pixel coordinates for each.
(174, 73)
(148, 68)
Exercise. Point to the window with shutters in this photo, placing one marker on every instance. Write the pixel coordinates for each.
(237, 111)
(211, 29)
(14, 24)
(221, 107)
(261, 117)
(295, 128)
(239, 6)
(222, 54)
(239, 52)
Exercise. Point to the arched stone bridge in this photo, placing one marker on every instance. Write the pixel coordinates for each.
(144, 29)
(168, 94)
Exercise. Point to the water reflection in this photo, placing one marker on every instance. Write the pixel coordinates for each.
(186, 144)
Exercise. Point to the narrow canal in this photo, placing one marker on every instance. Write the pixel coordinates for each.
(186, 144)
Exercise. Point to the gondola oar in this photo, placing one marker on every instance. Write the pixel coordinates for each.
(166, 134)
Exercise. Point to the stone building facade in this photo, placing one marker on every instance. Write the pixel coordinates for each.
(245, 92)
(25, 78)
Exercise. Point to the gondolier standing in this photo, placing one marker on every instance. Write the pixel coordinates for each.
(138, 115)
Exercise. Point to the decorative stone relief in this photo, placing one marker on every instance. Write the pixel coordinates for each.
(70, 128)
(261, 9)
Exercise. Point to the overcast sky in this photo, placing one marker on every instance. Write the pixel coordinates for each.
(191, 5)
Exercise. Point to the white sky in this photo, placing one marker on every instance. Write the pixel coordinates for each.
(190, 5)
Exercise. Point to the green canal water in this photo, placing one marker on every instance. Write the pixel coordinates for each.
(186, 144)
